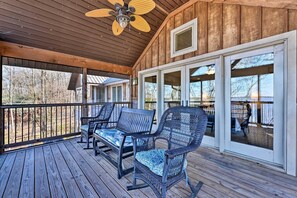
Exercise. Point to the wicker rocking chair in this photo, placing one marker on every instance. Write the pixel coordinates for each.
(183, 129)
(88, 123)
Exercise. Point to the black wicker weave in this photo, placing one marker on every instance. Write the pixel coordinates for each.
(183, 129)
(118, 138)
(88, 123)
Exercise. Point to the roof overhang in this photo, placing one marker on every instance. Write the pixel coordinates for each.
(31, 53)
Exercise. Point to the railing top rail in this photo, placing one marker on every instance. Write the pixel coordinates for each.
(54, 105)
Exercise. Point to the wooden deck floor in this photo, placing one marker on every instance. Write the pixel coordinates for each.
(64, 169)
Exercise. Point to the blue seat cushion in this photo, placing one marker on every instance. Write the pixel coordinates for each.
(154, 160)
(114, 136)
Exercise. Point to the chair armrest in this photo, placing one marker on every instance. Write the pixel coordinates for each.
(136, 134)
(87, 118)
(179, 151)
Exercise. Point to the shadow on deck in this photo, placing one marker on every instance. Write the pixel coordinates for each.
(64, 169)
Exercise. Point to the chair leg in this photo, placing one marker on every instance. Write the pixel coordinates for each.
(195, 189)
(163, 193)
(81, 139)
(88, 142)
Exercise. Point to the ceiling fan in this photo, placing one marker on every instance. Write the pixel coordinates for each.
(126, 14)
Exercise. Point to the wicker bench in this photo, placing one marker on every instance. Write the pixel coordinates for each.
(118, 139)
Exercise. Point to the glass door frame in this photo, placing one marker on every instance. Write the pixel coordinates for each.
(183, 85)
(141, 98)
(207, 140)
(275, 156)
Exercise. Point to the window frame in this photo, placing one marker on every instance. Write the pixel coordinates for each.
(191, 24)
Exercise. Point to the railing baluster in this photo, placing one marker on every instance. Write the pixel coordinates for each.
(15, 125)
(51, 122)
(56, 120)
(34, 123)
(45, 122)
(66, 119)
(70, 121)
(8, 135)
(61, 122)
(29, 123)
(41, 134)
(22, 124)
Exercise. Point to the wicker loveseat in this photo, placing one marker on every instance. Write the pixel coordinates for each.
(118, 139)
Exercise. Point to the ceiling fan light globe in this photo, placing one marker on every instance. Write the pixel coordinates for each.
(123, 21)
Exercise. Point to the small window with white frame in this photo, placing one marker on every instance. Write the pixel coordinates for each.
(184, 39)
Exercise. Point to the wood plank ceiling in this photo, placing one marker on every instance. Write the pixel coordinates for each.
(60, 25)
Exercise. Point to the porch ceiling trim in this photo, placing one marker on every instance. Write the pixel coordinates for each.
(31, 53)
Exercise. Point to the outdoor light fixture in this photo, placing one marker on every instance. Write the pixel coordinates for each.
(126, 13)
(123, 20)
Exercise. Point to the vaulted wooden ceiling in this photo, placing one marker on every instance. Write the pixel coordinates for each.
(61, 26)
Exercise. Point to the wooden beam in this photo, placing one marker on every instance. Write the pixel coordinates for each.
(288, 4)
(161, 9)
(36, 54)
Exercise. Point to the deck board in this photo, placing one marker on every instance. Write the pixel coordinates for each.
(69, 183)
(64, 169)
(41, 180)
(55, 181)
(14, 182)
(27, 184)
(5, 172)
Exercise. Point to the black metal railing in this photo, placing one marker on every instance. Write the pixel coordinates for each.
(262, 112)
(31, 123)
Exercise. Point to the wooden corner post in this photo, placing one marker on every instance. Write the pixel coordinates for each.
(85, 92)
(1, 112)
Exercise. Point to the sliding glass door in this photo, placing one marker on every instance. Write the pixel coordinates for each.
(254, 103)
(173, 88)
(150, 93)
(201, 92)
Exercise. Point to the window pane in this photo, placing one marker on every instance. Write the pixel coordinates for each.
(151, 94)
(252, 100)
(119, 89)
(114, 94)
(202, 93)
(172, 89)
(183, 39)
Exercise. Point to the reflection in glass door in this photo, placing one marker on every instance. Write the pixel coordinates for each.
(151, 94)
(172, 89)
(255, 105)
(201, 92)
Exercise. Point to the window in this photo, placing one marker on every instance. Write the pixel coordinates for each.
(98, 94)
(184, 39)
(117, 95)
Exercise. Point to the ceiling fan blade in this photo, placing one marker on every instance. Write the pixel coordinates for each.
(116, 28)
(142, 6)
(113, 2)
(140, 23)
(105, 12)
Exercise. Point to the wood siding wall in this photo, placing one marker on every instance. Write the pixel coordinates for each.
(219, 26)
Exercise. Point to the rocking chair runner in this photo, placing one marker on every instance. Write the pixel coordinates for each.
(183, 129)
(88, 123)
